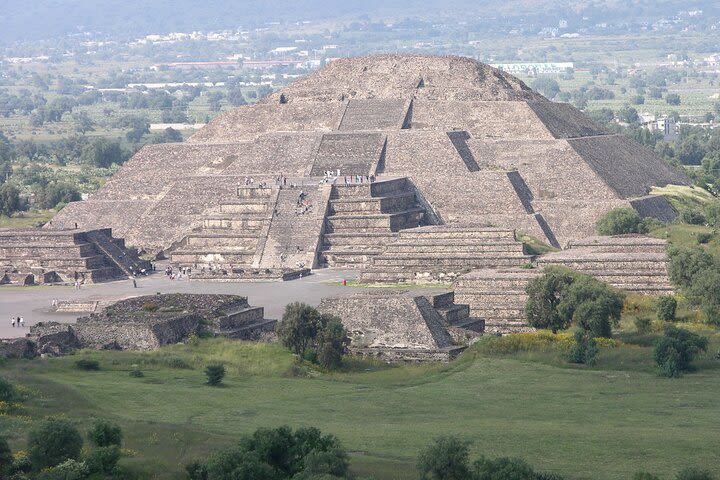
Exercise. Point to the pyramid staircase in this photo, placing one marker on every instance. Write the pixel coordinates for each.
(364, 218)
(440, 253)
(230, 233)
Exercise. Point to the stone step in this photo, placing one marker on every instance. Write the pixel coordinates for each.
(441, 300)
(471, 323)
(249, 208)
(471, 261)
(454, 314)
(388, 204)
(410, 248)
(375, 189)
(335, 259)
(249, 242)
(392, 221)
(347, 240)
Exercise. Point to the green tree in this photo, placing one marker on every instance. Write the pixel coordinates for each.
(277, 453)
(619, 221)
(549, 87)
(592, 305)
(686, 263)
(332, 342)
(561, 297)
(9, 199)
(105, 434)
(503, 469)
(83, 122)
(103, 153)
(215, 373)
(675, 351)
(666, 308)
(446, 458)
(55, 193)
(705, 291)
(299, 326)
(544, 294)
(54, 442)
(672, 99)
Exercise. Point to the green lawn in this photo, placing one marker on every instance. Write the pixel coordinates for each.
(606, 422)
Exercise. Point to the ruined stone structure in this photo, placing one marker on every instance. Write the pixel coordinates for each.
(449, 141)
(48, 256)
(405, 325)
(151, 321)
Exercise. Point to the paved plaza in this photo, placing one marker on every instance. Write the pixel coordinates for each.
(34, 304)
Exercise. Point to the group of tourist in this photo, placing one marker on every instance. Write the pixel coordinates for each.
(17, 321)
(182, 272)
(332, 177)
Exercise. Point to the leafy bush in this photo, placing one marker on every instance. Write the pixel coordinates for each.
(215, 373)
(85, 364)
(666, 308)
(277, 453)
(643, 325)
(705, 291)
(585, 349)
(68, 470)
(561, 297)
(8, 393)
(619, 221)
(675, 351)
(692, 217)
(103, 459)
(136, 373)
(645, 476)
(712, 213)
(54, 442)
(446, 458)
(315, 337)
(177, 362)
(105, 434)
(704, 237)
(332, 342)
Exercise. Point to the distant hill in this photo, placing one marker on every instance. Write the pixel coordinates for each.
(43, 19)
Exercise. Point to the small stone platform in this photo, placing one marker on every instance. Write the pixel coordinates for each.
(405, 325)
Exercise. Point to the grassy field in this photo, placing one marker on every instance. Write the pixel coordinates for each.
(517, 399)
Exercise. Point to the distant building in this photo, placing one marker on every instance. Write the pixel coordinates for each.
(534, 67)
(664, 125)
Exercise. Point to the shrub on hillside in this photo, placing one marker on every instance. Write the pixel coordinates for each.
(561, 297)
(8, 393)
(277, 453)
(643, 325)
(150, 307)
(692, 217)
(666, 308)
(319, 338)
(67, 470)
(585, 349)
(215, 373)
(103, 459)
(619, 221)
(675, 351)
(447, 458)
(85, 364)
(712, 213)
(105, 434)
(704, 238)
(54, 442)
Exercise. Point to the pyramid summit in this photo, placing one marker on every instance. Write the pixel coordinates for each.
(453, 146)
